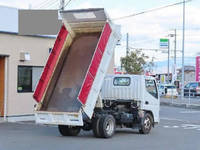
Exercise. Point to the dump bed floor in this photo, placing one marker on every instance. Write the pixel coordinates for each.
(64, 96)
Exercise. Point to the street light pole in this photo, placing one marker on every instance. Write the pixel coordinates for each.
(62, 4)
(183, 46)
(175, 47)
(168, 62)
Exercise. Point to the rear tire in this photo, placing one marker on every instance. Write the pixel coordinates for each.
(95, 127)
(146, 124)
(69, 130)
(107, 126)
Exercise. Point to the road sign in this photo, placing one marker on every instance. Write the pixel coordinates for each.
(164, 43)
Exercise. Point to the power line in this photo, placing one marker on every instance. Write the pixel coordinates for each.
(147, 40)
(147, 49)
(48, 4)
(55, 3)
(151, 49)
(151, 10)
(42, 3)
(67, 3)
(45, 5)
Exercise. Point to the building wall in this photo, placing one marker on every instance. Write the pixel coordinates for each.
(38, 47)
(12, 45)
(189, 77)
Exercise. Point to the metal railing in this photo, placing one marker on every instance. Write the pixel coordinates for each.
(190, 97)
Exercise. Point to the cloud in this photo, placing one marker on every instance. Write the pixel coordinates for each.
(149, 28)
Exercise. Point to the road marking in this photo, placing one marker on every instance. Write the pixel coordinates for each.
(190, 126)
(171, 126)
(174, 119)
(184, 126)
(189, 112)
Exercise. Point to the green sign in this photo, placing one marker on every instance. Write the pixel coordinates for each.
(164, 40)
(164, 43)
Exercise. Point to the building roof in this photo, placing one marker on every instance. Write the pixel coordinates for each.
(9, 22)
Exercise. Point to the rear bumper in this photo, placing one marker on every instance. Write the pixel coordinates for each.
(59, 118)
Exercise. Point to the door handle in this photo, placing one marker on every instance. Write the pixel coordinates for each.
(146, 102)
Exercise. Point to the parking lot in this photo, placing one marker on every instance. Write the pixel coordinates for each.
(178, 129)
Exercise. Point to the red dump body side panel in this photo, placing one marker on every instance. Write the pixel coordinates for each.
(50, 65)
(87, 84)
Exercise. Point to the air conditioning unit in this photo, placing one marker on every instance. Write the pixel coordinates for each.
(24, 56)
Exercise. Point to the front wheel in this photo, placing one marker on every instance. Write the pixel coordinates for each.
(69, 130)
(146, 124)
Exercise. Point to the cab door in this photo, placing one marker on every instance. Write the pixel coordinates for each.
(151, 98)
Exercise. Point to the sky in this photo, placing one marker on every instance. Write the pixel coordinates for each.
(144, 30)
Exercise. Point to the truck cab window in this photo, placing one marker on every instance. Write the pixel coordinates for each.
(151, 87)
(122, 81)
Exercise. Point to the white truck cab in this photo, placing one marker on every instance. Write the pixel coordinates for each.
(137, 93)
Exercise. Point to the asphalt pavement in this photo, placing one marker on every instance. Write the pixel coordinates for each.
(179, 129)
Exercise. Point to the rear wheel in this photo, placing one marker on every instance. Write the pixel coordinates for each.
(95, 127)
(146, 124)
(69, 130)
(107, 126)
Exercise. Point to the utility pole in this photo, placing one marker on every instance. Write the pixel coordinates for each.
(174, 72)
(168, 62)
(175, 47)
(183, 47)
(62, 4)
(127, 45)
(174, 35)
(127, 49)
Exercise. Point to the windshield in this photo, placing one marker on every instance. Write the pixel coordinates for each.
(191, 85)
(161, 87)
(171, 87)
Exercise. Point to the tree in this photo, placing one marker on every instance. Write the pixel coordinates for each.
(136, 62)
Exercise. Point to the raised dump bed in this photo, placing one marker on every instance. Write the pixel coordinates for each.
(72, 78)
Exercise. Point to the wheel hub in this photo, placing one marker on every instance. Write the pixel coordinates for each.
(147, 123)
(109, 127)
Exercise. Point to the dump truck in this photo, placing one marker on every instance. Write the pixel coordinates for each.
(71, 91)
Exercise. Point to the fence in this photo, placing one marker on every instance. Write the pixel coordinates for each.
(174, 97)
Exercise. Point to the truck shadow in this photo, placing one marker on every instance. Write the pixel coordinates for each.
(118, 132)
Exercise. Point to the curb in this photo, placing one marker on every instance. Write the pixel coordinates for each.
(183, 105)
(2, 121)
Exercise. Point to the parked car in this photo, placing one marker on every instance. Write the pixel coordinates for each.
(171, 90)
(192, 89)
(168, 90)
(161, 89)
